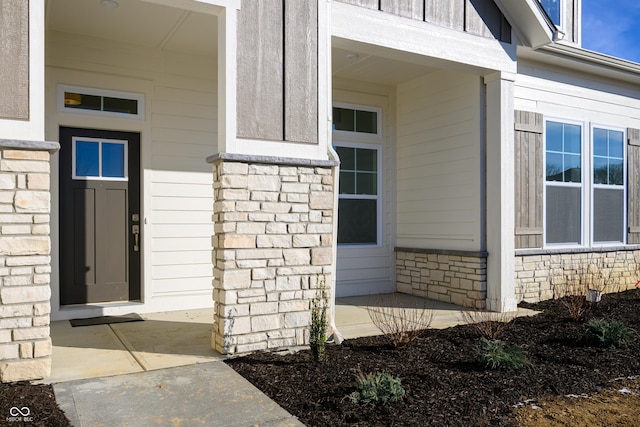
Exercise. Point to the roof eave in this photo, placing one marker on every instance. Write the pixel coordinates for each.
(530, 20)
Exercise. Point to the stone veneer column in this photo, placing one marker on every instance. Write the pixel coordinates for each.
(273, 241)
(25, 260)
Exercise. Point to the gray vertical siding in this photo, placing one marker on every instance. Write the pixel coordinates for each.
(633, 190)
(301, 71)
(408, 8)
(277, 90)
(529, 180)
(260, 83)
(479, 17)
(14, 65)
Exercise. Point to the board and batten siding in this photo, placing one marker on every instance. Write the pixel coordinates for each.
(633, 191)
(370, 270)
(529, 176)
(14, 66)
(277, 74)
(178, 133)
(439, 161)
(479, 17)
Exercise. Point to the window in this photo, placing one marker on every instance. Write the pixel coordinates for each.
(359, 199)
(564, 183)
(99, 159)
(553, 10)
(362, 120)
(584, 184)
(100, 102)
(608, 185)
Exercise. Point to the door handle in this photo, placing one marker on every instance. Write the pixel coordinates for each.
(135, 229)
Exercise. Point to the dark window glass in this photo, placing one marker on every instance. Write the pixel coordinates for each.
(348, 119)
(344, 119)
(358, 221)
(87, 158)
(563, 152)
(366, 121)
(82, 101)
(113, 160)
(564, 215)
(608, 157)
(347, 182)
(608, 215)
(120, 105)
(347, 158)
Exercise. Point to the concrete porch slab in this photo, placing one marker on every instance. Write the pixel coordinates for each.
(163, 340)
(353, 321)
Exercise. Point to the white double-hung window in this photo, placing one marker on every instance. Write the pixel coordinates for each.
(359, 203)
(608, 179)
(585, 176)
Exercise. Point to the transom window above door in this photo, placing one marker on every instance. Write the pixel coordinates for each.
(358, 120)
(99, 159)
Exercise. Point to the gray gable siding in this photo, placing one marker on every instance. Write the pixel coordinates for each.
(478, 17)
(14, 66)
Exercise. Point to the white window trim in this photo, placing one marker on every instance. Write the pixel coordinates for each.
(581, 185)
(104, 93)
(623, 187)
(359, 135)
(378, 148)
(100, 142)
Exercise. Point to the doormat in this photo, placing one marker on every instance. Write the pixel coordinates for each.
(105, 320)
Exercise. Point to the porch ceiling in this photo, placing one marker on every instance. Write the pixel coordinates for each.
(136, 22)
(372, 64)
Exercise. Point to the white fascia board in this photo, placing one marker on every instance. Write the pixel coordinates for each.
(528, 20)
(408, 36)
(582, 60)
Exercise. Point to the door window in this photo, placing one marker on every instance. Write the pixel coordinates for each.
(99, 159)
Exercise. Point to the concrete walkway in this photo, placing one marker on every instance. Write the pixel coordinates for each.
(162, 371)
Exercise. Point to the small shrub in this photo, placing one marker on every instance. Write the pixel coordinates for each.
(398, 322)
(487, 324)
(577, 307)
(377, 388)
(579, 277)
(608, 334)
(494, 354)
(318, 331)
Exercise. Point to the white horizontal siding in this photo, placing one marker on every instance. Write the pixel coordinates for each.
(371, 270)
(439, 162)
(178, 133)
(555, 92)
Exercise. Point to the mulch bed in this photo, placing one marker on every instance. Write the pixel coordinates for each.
(444, 382)
(26, 404)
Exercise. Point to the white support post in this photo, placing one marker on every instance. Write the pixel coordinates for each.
(227, 77)
(500, 211)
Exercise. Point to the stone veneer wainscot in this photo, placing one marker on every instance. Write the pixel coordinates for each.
(538, 272)
(273, 225)
(456, 277)
(25, 260)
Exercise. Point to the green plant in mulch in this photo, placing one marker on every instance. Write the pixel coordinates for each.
(608, 334)
(495, 354)
(318, 331)
(377, 388)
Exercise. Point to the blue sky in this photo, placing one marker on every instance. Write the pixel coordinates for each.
(612, 27)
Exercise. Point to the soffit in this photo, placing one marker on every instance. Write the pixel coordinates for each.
(137, 23)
